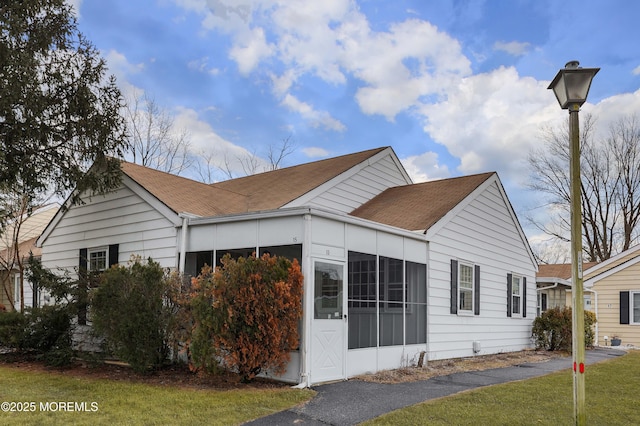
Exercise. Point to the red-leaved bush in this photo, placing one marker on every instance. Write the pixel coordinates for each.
(246, 314)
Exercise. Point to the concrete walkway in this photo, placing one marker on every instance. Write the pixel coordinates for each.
(354, 401)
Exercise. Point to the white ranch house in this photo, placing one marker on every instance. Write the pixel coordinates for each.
(392, 269)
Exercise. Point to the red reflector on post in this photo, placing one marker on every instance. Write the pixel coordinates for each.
(581, 367)
(574, 367)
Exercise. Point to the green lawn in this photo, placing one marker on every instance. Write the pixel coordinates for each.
(612, 398)
(109, 402)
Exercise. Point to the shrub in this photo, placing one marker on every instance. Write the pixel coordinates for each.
(48, 333)
(128, 309)
(11, 329)
(44, 332)
(247, 313)
(553, 329)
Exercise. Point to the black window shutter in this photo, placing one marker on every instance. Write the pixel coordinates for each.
(476, 285)
(509, 298)
(454, 286)
(82, 260)
(624, 307)
(113, 255)
(524, 297)
(82, 286)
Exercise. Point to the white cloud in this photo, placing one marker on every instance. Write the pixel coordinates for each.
(425, 167)
(316, 118)
(315, 152)
(202, 65)
(514, 48)
(120, 66)
(332, 41)
(636, 71)
(250, 50)
(491, 121)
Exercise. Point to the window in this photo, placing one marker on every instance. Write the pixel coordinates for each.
(362, 300)
(391, 294)
(328, 291)
(542, 303)
(635, 307)
(97, 260)
(465, 288)
(16, 290)
(416, 305)
(517, 296)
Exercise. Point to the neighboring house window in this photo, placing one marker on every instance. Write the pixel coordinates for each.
(16, 290)
(542, 303)
(516, 296)
(630, 307)
(465, 288)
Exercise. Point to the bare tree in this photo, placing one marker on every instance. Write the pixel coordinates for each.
(277, 154)
(153, 139)
(212, 164)
(610, 183)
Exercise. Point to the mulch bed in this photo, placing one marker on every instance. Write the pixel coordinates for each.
(176, 375)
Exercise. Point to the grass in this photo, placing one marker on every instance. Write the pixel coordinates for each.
(611, 399)
(125, 403)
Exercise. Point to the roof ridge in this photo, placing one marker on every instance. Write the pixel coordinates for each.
(314, 162)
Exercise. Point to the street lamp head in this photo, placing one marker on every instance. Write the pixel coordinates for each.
(571, 85)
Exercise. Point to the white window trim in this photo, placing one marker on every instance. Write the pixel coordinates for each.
(465, 312)
(515, 314)
(90, 251)
(631, 296)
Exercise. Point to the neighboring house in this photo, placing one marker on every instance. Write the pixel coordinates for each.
(392, 269)
(615, 286)
(26, 236)
(553, 286)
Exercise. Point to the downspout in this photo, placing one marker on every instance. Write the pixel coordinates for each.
(183, 242)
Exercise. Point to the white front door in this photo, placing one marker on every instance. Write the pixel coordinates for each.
(329, 323)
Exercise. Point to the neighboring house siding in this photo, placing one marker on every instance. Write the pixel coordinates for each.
(485, 234)
(120, 217)
(350, 193)
(608, 290)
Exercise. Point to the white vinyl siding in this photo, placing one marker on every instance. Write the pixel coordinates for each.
(345, 194)
(120, 217)
(482, 232)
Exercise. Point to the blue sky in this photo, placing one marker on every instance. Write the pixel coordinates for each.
(454, 86)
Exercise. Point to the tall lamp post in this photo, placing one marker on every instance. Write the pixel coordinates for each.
(571, 87)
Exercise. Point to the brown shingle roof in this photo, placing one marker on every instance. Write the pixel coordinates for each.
(417, 207)
(271, 190)
(559, 270)
(263, 191)
(182, 194)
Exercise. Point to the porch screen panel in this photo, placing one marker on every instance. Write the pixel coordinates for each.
(362, 304)
(391, 290)
(416, 306)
